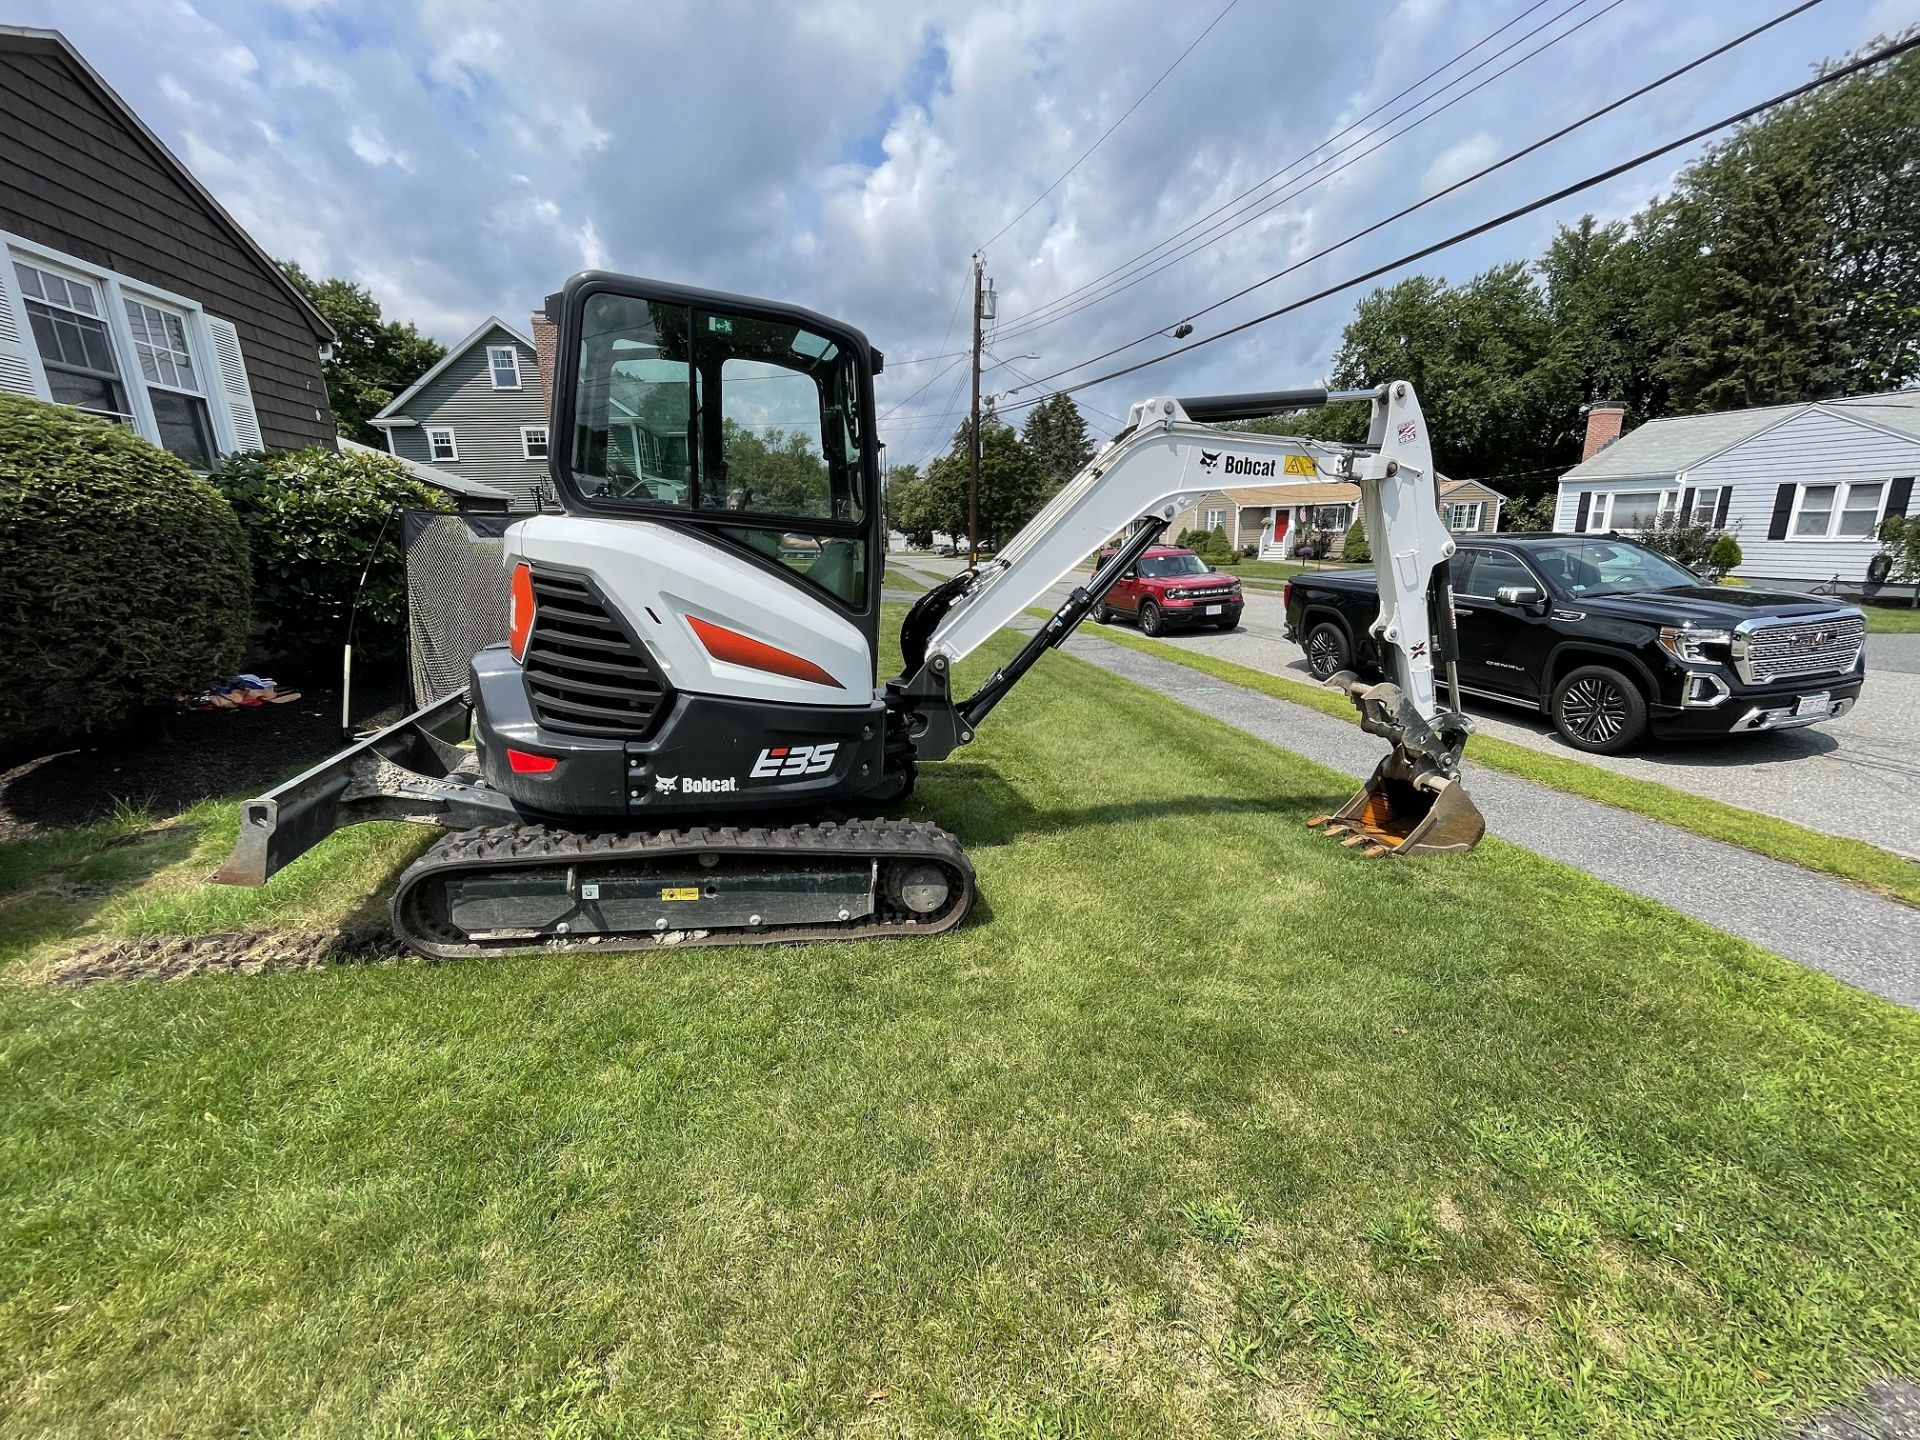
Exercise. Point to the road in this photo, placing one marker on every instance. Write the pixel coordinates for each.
(1857, 776)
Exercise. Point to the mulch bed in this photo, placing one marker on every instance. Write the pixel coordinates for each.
(165, 762)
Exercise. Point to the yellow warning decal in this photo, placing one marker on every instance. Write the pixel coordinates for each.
(680, 892)
(1301, 465)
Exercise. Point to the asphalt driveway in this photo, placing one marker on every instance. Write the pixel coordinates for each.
(1857, 776)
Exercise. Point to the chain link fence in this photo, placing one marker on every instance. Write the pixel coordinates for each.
(456, 596)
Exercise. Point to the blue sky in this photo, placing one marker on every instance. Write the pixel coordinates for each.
(463, 157)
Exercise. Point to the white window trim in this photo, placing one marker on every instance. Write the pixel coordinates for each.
(115, 288)
(1213, 519)
(526, 450)
(1841, 490)
(493, 372)
(453, 444)
(1479, 514)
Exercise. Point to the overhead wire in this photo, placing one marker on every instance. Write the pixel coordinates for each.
(1068, 295)
(1458, 185)
(1828, 77)
(1111, 128)
(1301, 184)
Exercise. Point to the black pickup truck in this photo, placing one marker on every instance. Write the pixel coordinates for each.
(1611, 640)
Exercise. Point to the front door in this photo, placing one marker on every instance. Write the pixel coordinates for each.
(1502, 649)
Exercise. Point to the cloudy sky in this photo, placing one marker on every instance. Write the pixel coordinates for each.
(463, 157)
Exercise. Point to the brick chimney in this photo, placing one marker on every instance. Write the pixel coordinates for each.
(543, 338)
(1603, 428)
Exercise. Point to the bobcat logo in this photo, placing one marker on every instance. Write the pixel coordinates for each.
(666, 784)
(1209, 459)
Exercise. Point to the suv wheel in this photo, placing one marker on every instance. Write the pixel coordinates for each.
(1599, 710)
(1102, 615)
(1151, 620)
(1328, 650)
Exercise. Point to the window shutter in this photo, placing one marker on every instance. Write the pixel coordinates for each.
(1686, 505)
(1720, 510)
(16, 361)
(233, 383)
(1899, 496)
(1580, 515)
(1782, 508)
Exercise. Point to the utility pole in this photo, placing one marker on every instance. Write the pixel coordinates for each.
(973, 429)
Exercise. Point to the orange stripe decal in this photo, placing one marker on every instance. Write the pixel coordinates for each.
(737, 649)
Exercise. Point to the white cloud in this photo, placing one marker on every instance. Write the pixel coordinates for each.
(372, 147)
(1458, 161)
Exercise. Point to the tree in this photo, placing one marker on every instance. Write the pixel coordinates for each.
(781, 471)
(373, 360)
(1057, 435)
(1013, 484)
(1724, 556)
(908, 507)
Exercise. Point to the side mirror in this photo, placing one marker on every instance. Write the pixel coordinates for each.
(1517, 597)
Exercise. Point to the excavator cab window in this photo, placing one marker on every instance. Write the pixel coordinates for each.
(749, 425)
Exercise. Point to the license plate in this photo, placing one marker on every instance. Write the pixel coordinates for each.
(1811, 704)
(1213, 609)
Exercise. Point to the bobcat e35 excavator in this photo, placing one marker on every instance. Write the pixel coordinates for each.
(687, 690)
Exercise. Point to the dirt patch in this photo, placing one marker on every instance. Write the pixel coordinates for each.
(166, 762)
(238, 952)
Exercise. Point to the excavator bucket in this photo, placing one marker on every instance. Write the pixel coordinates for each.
(1395, 815)
(1408, 805)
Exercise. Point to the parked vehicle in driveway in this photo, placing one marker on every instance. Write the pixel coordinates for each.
(1171, 587)
(1611, 640)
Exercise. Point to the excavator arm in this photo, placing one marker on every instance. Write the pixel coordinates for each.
(1170, 452)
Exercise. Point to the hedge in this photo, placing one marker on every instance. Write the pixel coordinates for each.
(312, 518)
(125, 578)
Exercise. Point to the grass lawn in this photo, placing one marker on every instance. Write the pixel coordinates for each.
(895, 580)
(1202, 1126)
(1841, 856)
(1892, 620)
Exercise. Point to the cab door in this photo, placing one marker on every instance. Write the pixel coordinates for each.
(1503, 648)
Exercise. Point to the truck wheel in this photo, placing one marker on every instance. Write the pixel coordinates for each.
(1328, 650)
(1151, 620)
(1599, 710)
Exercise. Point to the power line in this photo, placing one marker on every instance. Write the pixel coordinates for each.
(945, 369)
(1111, 128)
(1302, 185)
(1108, 414)
(1262, 184)
(923, 359)
(1478, 175)
(1519, 212)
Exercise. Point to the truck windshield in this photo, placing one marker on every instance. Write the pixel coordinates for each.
(1165, 567)
(1608, 567)
(718, 416)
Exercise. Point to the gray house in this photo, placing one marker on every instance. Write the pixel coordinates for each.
(1803, 488)
(480, 413)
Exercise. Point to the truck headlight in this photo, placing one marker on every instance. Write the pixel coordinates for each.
(1696, 647)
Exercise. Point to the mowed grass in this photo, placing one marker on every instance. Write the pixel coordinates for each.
(1841, 856)
(1887, 620)
(898, 580)
(1202, 1126)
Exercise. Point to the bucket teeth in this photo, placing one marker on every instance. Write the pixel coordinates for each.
(1395, 813)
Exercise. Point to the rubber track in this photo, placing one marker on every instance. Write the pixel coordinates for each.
(515, 847)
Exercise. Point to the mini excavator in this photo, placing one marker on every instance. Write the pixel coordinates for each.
(656, 753)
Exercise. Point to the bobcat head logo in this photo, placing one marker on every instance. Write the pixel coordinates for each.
(1209, 459)
(666, 784)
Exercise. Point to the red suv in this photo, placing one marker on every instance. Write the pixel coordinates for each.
(1169, 586)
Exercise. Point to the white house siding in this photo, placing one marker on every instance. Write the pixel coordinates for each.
(1815, 447)
(486, 422)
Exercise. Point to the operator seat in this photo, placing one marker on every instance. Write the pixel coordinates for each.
(838, 571)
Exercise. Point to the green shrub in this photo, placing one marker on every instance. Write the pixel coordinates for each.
(1214, 547)
(1724, 556)
(312, 518)
(1356, 548)
(125, 578)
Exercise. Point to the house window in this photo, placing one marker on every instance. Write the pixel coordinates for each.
(440, 443)
(533, 442)
(1329, 517)
(1706, 500)
(1635, 509)
(173, 384)
(504, 362)
(76, 350)
(1215, 519)
(1465, 514)
(1838, 511)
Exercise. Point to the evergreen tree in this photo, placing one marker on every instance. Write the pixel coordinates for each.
(1057, 435)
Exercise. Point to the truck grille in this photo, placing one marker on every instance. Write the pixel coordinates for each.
(585, 674)
(1797, 649)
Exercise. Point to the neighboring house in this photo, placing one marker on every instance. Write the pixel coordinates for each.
(1803, 488)
(1275, 518)
(125, 289)
(481, 412)
(470, 497)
